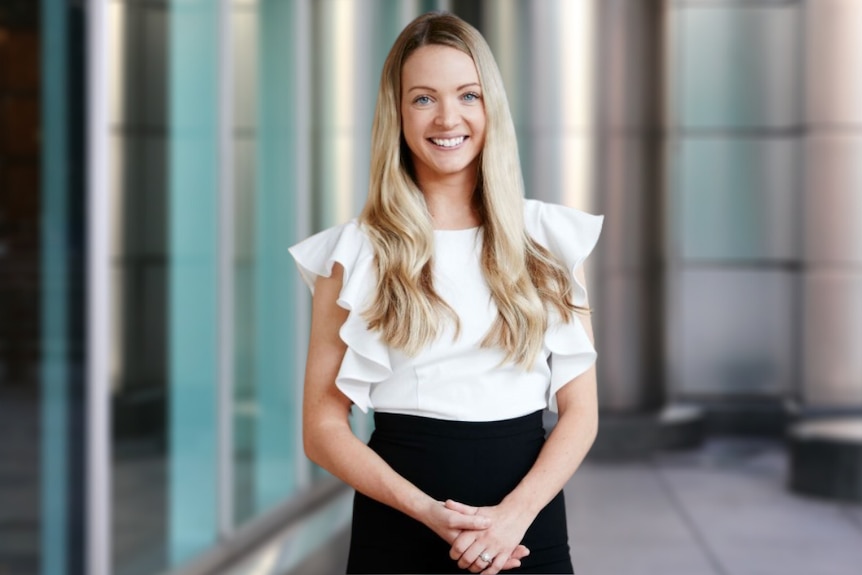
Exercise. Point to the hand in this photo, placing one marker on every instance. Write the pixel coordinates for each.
(501, 540)
(450, 523)
(450, 520)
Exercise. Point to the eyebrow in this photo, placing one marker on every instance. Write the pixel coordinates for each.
(430, 89)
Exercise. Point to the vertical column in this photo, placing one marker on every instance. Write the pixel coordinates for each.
(545, 53)
(827, 443)
(99, 297)
(631, 82)
(585, 81)
(351, 40)
(629, 324)
(226, 249)
(335, 85)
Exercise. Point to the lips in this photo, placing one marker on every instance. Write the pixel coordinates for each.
(448, 142)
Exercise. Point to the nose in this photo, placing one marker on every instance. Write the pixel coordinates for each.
(447, 115)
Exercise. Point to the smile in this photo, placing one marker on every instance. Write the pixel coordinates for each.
(448, 142)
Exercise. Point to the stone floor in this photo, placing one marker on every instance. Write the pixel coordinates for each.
(723, 509)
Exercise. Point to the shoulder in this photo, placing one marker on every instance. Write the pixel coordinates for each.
(569, 233)
(347, 244)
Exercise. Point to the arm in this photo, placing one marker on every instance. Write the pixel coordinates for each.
(329, 441)
(560, 457)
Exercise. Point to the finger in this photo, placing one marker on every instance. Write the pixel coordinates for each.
(470, 522)
(478, 565)
(512, 563)
(460, 546)
(461, 507)
(471, 559)
(497, 564)
(520, 552)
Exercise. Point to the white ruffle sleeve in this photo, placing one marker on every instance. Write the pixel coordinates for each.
(571, 235)
(366, 360)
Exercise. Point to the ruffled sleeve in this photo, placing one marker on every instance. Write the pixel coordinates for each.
(571, 235)
(366, 360)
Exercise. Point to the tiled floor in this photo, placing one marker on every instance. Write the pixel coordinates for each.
(723, 509)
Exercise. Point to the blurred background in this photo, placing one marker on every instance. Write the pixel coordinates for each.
(157, 157)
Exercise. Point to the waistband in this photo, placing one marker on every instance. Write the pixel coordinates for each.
(413, 424)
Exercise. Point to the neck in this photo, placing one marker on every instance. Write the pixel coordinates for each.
(450, 201)
(451, 207)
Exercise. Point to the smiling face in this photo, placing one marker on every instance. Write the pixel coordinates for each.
(442, 114)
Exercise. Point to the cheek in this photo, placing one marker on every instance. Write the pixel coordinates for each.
(479, 126)
(478, 119)
(409, 126)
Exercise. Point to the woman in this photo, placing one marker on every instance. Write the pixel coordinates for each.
(457, 310)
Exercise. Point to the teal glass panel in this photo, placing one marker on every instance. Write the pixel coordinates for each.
(737, 66)
(193, 202)
(275, 330)
(55, 287)
(267, 164)
(737, 199)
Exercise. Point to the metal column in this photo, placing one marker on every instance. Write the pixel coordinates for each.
(826, 446)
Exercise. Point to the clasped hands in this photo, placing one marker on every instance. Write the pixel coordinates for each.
(492, 533)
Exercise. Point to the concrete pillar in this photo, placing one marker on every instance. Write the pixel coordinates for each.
(585, 81)
(630, 80)
(826, 444)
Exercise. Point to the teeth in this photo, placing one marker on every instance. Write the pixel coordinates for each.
(448, 142)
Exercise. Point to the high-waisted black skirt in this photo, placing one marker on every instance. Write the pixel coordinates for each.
(477, 463)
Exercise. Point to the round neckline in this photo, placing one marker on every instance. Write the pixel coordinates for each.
(473, 229)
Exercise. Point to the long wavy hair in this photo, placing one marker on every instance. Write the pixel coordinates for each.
(525, 280)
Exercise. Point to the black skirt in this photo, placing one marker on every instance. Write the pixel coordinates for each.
(476, 463)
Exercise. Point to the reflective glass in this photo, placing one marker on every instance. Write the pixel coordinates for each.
(266, 412)
(737, 199)
(43, 345)
(737, 66)
(163, 365)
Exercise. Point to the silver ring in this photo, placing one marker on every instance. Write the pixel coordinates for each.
(485, 556)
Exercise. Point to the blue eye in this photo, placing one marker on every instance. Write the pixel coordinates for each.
(422, 100)
(470, 97)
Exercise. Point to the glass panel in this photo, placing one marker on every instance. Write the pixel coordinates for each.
(139, 359)
(164, 363)
(193, 206)
(737, 199)
(738, 66)
(42, 299)
(266, 414)
(746, 353)
(24, 210)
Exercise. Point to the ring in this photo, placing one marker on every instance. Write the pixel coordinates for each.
(485, 556)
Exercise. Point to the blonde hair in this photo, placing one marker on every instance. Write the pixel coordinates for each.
(525, 280)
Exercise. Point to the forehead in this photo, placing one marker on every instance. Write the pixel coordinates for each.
(441, 65)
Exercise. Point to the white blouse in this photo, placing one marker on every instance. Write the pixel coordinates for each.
(455, 379)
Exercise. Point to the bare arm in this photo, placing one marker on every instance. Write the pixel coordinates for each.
(560, 457)
(329, 441)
